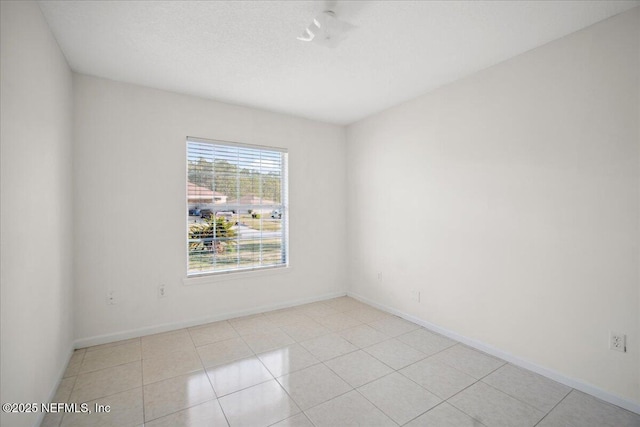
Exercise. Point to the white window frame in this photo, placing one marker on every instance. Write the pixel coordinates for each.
(232, 273)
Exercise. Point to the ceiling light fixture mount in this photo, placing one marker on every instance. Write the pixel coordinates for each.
(326, 29)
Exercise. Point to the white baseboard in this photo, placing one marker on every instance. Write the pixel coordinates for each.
(166, 327)
(549, 373)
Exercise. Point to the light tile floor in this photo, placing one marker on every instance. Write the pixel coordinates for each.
(332, 363)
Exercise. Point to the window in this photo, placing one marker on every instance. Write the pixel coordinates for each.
(237, 207)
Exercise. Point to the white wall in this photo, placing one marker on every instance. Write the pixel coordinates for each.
(36, 232)
(510, 200)
(130, 209)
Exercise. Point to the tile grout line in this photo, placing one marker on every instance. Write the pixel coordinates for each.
(460, 409)
(84, 353)
(144, 410)
(477, 380)
(164, 354)
(111, 366)
(440, 404)
(376, 406)
(303, 411)
(111, 394)
(393, 370)
(554, 407)
(517, 398)
(256, 356)
(75, 378)
(224, 414)
(344, 379)
(144, 414)
(319, 362)
(215, 394)
(500, 391)
(283, 389)
(419, 385)
(180, 410)
(513, 397)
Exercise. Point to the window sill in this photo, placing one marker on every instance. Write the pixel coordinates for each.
(234, 275)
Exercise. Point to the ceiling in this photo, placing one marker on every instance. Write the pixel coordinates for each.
(246, 52)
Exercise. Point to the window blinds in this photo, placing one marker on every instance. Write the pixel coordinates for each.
(237, 205)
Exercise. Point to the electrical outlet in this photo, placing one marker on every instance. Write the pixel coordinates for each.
(162, 291)
(111, 297)
(618, 342)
